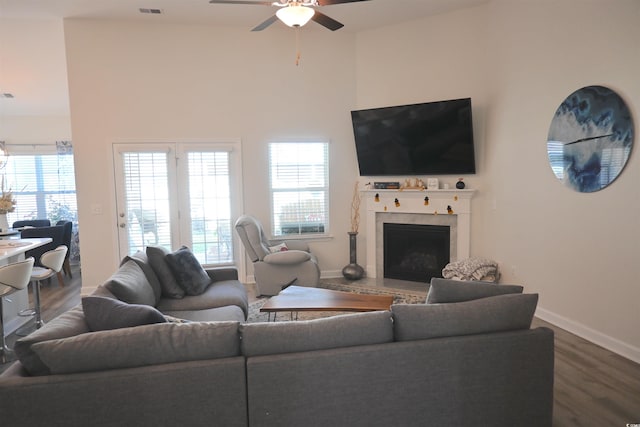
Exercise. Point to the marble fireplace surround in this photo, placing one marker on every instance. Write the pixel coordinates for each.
(411, 209)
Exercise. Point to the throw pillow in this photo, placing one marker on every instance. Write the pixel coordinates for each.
(307, 335)
(494, 314)
(188, 271)
(129, 284)
(142, 260)
(66, 325)
(278, 248)
(170, 287)
(449, 290)
(103, 314)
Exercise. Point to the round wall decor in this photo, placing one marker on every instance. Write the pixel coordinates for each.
(590, 139)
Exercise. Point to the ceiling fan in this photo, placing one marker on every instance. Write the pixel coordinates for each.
(295, 13)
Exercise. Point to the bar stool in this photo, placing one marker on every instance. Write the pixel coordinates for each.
(52, 264)
(13, 278)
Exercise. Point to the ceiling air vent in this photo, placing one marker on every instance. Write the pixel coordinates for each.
(151, 11)
(6, 95)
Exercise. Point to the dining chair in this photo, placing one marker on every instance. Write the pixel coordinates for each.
(51, 264)
(13, 278)
(66, 240)
(31, 223)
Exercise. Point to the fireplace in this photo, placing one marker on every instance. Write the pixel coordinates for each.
(444, 208)
(415, 252)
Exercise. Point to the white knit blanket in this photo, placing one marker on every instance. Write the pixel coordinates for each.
(472, 269)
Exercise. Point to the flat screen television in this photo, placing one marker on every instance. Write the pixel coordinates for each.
(432, 138)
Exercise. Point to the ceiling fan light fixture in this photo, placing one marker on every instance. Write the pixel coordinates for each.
(295, 16)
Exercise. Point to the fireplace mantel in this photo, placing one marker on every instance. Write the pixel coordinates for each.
(452, 203)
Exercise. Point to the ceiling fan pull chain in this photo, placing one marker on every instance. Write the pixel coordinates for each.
(297, 46)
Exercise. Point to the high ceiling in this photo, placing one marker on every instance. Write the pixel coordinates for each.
(43, 89)
(356, 16)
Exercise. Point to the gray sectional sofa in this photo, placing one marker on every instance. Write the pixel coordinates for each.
(465, 357)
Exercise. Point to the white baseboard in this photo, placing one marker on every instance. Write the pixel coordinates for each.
(596, 337)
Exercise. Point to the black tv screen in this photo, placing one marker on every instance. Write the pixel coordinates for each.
(433, 138)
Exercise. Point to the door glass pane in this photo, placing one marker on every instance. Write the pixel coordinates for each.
(210, 207)
(147, 200)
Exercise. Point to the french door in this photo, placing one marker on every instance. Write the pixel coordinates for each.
(174, 194)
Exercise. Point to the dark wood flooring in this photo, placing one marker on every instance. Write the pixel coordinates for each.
(593, 386)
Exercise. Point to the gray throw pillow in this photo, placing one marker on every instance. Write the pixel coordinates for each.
(142, 260)
(103, 314)
(449, 290)
(66, 325)
(188, 271)
(170, 287)
(345, 330)
(129, 284)
(493, 314)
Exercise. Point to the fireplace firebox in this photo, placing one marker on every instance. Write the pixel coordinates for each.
(415, 252)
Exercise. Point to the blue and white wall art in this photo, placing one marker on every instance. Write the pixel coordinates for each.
(590, 139)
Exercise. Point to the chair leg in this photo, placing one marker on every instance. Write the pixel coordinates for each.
(36, 304)
(60, 279)
(66, 267)
(6, 354)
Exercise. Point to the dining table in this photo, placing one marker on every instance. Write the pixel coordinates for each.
(13, 250)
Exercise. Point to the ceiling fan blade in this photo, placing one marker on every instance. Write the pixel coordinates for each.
(325, 21)
(266, 23)
(330, 2)
(260, 3)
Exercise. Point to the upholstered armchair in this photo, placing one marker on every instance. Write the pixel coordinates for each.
(276, 264)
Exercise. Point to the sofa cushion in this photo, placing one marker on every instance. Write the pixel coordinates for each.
(140, 346)
(142, 260)
(228, 312)
(168, 283)
(287, 257)
(332, 332)
(188, 271)
(492, 314)
(218, 294)
(103, 314)
(129, 284)
(449, 290)
(66, 325)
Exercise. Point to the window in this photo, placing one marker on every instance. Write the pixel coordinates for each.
(44, 187)
(299, 182)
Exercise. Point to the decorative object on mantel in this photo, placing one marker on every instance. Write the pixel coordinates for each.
(353, 271)
(449, 210)
(426, 200)
(7, 204)
(376, 198)
(590, 139)
(412, 184)
(397, 202)
(460, 184)
(433, 184)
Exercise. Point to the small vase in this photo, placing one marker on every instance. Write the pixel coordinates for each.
(353, 271)
(4, 224)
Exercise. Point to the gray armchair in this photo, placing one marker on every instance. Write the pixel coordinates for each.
(275, 269)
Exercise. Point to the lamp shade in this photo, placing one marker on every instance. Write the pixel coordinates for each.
(295, 16)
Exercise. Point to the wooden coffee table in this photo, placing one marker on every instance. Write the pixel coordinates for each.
(300, 298)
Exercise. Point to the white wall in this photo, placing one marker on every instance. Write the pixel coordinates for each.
(518, 61)
(145, 81)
